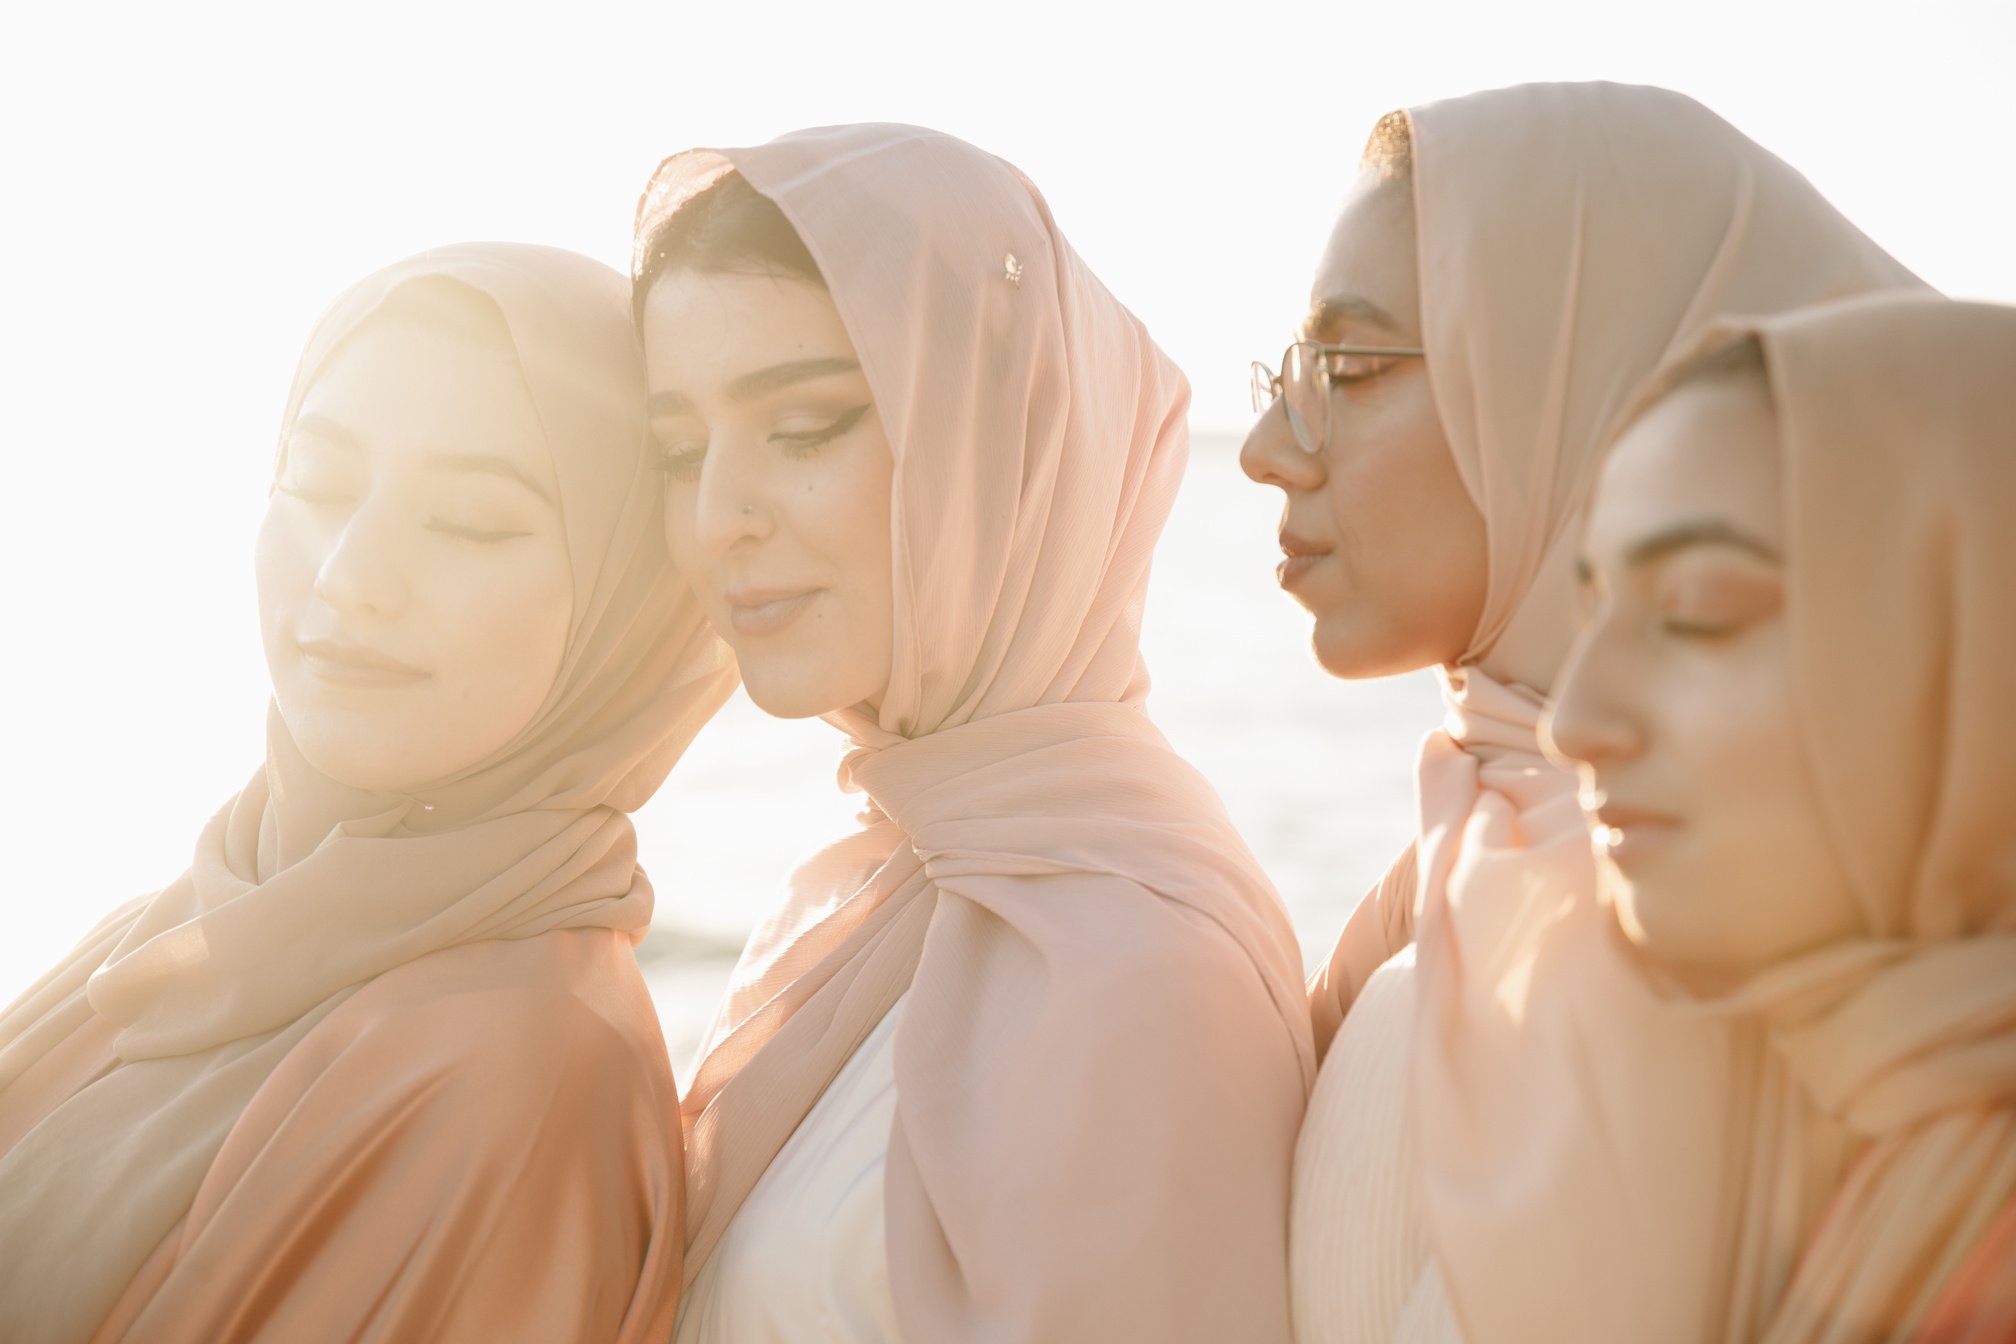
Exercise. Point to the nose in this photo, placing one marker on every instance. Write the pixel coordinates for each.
(732, 506)
(1589, 720)
(1271, 456)
(366, 572)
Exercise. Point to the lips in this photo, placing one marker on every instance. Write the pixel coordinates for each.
(341, 663)
(768, 611)
(1627, 834)
(1301, 556)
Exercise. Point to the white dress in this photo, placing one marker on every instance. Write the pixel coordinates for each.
(1359, 1267)
(805, 1257)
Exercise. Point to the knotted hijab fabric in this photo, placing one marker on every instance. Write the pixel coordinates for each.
(302, 889)
(1104, 1043)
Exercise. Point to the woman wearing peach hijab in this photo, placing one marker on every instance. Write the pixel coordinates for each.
(1023, 1059)
(1508, 268)
(1791, 708)
(381, 1065)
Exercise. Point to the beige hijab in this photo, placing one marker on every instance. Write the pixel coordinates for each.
(302, 889)
(1897, 419)
(1104, 1053)
(1570, 237)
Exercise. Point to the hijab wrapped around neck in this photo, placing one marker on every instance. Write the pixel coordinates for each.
(1059, 895)
(302, 888)
(1894, 417)
(1571, 237)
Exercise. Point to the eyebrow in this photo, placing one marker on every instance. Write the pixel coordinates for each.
(1327, 312)
(488, 464)
(1701, 532)
(761, 383)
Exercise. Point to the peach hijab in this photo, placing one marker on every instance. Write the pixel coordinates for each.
(1104, 1052)
(302, 890)
(1571, 237)
(1897, 435)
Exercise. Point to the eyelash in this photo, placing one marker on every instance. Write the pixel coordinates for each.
(1347, 370)
(323, 499)
(476, 535)
(684, 465)
(1701, 633)
(317, 498)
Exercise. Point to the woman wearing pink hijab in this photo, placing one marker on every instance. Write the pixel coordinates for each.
(1023, 1058)
(380, 1065)
(1791, 709)
(1508, 268)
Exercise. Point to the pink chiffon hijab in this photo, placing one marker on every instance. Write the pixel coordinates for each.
(303, 891)
(1873, 1117)
(1571, 237)
(1104, 1052)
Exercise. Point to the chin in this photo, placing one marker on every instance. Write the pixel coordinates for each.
(1348, 651)
(364, 755)
(783, 697)
(365, 771)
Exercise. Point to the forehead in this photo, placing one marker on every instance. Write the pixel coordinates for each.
(1369, 278)
(1708, 452)
(400, 385)
(700, 323)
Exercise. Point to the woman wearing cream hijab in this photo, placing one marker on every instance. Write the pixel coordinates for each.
(1509, 267)
(1022, 1059)
(380, 1064)
(1791, 708)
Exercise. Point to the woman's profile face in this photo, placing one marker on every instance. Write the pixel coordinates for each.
(415, 590)
(777, 484)
(1383, 545)
(1677, 701)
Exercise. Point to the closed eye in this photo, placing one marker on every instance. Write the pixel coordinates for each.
(485, 536)
(806, 440)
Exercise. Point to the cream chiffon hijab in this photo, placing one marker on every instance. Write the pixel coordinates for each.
(1104, 1050)
(302, 889)
(1897, 439)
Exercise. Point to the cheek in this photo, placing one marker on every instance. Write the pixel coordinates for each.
(842, 514)
(681, 543)
(285, 559)
(502, 627)
(1409, 538)
(1755, 877)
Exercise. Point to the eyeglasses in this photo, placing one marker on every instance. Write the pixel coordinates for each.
(1310, 371)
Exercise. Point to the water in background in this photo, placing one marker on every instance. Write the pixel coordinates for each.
(1318, 773)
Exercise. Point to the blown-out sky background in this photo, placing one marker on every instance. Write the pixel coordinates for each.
(188, 185)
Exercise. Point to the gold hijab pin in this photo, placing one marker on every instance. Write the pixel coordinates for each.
(1011, 268)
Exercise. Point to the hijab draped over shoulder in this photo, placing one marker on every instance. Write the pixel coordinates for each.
(1570, 237)
(1895, 418)
(1104, 1050)
(314, 1086)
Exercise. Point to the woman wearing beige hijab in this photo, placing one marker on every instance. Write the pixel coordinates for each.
(1022, 1059)
(380, 1064)
(1509, 267)
(1791, 708)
